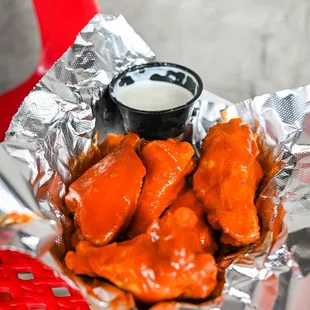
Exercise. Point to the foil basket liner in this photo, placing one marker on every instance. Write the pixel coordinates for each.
(59, 120)
(23, 225)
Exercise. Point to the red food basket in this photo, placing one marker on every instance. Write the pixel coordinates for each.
(28, 284)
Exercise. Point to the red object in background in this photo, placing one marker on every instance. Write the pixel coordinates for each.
(59, 23)
(26, 283)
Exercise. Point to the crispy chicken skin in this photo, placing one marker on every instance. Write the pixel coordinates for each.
(104, 198)
(188, 199)
(227, 178)
(164, 263)
(167, 163)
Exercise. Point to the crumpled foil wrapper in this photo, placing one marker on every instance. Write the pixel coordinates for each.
(23, 225)
(58, 121)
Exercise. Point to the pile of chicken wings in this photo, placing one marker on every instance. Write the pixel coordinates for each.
(143, 226)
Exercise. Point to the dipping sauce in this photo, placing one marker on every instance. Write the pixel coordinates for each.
(153, 95)
(155, 100)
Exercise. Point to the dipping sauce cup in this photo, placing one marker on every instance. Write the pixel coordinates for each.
(156, 99)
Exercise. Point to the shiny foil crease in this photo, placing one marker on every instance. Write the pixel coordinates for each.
(23, 225)
(58, 121)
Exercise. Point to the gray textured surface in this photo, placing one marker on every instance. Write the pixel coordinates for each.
(240, 48)
(19, 42)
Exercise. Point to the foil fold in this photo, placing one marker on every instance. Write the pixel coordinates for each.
(22, 224)
(59, 120)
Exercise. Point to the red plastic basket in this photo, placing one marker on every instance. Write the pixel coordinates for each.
(28, 284)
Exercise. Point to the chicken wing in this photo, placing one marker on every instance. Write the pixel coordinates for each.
(104, 198)
(188, 199)
(164, 263)
(227, 239)
(112, 142)
(167, 163)
(227, 178)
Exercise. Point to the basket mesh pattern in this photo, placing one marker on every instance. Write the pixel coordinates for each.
(28, 284)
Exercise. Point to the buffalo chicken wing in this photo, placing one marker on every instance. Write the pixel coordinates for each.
(167, 163)
(112, 142)
(226, 181)
(188, 199)
(104, 198)
(164, 263)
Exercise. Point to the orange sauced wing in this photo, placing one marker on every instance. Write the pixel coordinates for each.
(104, 198)
(132, 140)
(167, 163)
(112, 142)
(227, 178)
(189, 200)
(168, 305)
(164, 263)
(79, 262)
(226, 239)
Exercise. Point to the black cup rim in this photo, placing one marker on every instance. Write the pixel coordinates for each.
(151, 65)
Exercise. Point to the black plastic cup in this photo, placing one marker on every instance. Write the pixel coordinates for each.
(163, 124)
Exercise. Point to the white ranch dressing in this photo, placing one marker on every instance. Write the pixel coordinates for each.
(153, 95)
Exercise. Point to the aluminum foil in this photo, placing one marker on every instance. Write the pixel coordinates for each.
(22, 224)
(278, 276)
(58, 121)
